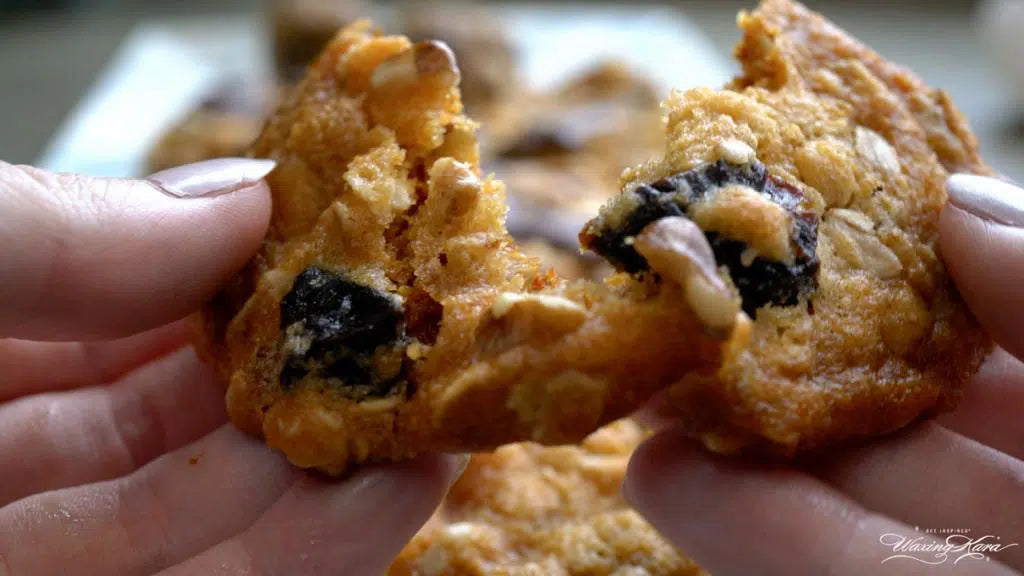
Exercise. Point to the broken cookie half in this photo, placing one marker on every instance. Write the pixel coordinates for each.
(817, 180)
(389, 311)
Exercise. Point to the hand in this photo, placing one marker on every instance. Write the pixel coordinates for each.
(963, 472)
(114, 453)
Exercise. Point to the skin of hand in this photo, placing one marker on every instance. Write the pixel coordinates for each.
(115, 454)
(843, 514)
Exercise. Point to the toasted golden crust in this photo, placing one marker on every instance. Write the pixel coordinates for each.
(389, 311)
(529, 510)
(883, 338)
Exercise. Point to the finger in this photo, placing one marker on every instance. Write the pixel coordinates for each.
(982, 241)
(936, 478)
(736, 519)
(173, 508)
(33, 367)
(319, 527)
(992, 409)
(93, 258)
(51, 441)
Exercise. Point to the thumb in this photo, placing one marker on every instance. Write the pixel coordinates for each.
(982, 241)
(99, 258)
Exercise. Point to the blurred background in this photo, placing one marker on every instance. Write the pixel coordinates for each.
(71, 69)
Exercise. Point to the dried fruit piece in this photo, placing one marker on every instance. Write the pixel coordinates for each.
(757, 225)
(341, 331)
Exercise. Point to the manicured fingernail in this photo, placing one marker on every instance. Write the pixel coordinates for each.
(461, 463)
(987, 198)
(212, 177)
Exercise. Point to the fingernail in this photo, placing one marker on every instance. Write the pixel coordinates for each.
(461, 463)
(987, 198)
(212, 177)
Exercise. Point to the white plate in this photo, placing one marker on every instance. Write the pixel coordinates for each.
(164, 68)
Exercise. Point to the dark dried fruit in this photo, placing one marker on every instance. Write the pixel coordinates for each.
(761, 281)
(340, 330)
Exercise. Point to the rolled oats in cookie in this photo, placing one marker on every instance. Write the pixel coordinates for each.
(527, 509)
(817, 179)
(389, 312)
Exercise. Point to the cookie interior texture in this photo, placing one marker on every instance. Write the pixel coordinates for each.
(528, 509)
(817, 176)
(389, 311)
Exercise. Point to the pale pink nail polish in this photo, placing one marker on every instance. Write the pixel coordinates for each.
(211, 177)
(987, 198)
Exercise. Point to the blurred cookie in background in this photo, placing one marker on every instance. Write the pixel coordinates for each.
(299, 29)
(477, 35)
(222, 125)
(560, 153)
(530, 509)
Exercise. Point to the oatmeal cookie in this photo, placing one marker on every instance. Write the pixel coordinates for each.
(817, 178)
(389, 312)
(529, 509)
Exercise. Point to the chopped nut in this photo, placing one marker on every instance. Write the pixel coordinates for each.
(743, 214)
(736, 152)
(425, 59)
(677, 248)
(278, 281)
(557, 311)
(854, 240)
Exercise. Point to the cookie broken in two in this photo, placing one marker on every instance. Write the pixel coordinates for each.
(778, 273)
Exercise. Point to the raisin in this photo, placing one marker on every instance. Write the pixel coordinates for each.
(760, 282)
(345, 328)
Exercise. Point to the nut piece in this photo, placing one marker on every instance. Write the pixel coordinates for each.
(676, 248)
(425, 59)
(549, 310)
(743, 214)
(759, 227)
(736, 152)
(854, 240)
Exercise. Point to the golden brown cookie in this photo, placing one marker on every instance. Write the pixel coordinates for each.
(817, 178)
(389, 312)
(529, 510)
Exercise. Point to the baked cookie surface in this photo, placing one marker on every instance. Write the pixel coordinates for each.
(529, 510)
(817, 178)
(389, 312)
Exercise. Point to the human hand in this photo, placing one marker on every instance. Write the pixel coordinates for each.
(963, 472)
(114, 453)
